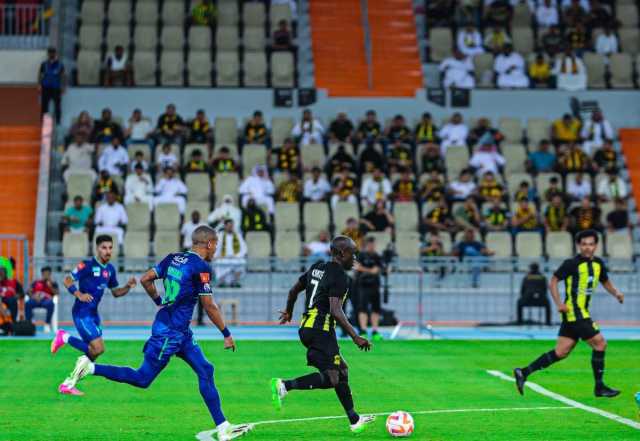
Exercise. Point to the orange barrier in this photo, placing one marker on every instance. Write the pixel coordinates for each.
(630, 139)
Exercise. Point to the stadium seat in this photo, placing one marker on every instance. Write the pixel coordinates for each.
(75, 245)
(118, 35)
(287, 244)
(136, 244)
(228, 12)
(253, 15)
(316, 217)
(171, 68)
(406, 216)
(630, 40)
(619, 245)
(227, 69)
(627, 15)
(173, 12)
(559, 244)
(145, 38)
(254, 40)
(500, 243)
(139, 217)
(172, 38)
(280, 129)
(621, 68)
(279, 12)
(167, 217)
(79, 184)
(596, 67)
(383, 239)
(537, 130)
(146, 13)
(511, 128)
(199, 68)
(521, 19)
(343, 211)
(457, 159)
(515, 155)
(287, 216)
(166, 242)
(282, 69)
(119, 12)
(200, 38)
(227, 38)
(258, 244)
(252, 155)
(523, 40)
(144, 68)
(92, 12)
(483, 69)
(255, 69)
(529, 244)
(408, 244)
(225, 131)
(440, 44)
(447, 244)
(514, 180)
(90, 37)
(312, 155)
(199, 186)
(88, 68)
(226, 183)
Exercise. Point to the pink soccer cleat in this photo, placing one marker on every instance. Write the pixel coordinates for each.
(66, 390)
(58, 341)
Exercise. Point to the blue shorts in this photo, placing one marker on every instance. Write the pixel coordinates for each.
(162, 346)
(88, 326)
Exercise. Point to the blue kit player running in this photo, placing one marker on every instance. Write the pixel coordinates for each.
(87, 283)
(186, 278)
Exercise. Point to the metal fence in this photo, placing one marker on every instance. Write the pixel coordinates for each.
(24, 26)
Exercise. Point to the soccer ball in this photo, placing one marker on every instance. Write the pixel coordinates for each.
(400, 424)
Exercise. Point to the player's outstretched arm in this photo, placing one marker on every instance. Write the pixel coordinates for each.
(215, 315)
(555, 294)
(285, 316)
(611, 289)
(146, 281)
(124, 290)
(335, 304)
(70, 284)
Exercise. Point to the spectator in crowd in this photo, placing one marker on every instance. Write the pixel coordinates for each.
(510, 69)
(533, 292)
(468, 216)
(52, 82)
(254, 218)
(222, 162)
(199, 129)
(554, 189)
(546, 15)
(612, 187)
(457, 71)
(489, 188)
(166, 158)
(579, 187)
(41, 293)
(374, 188)
(379, 218)
(487, 159)
(258, 187)
(426, 132)
(498, 13)
(618, 219)
(316, 188)
(352, 230)
(574, 160)
(432, 189)
(540, 73)
(140, 129)
(308, 130)
(585, 217)
(607, 42)
(138, 188)
(477, 251)
(368, 269)
(188, 228)
(118, 68)
(171, 190)
(466, 12)
(114, 158)
(282, 38)
(204, 13)
(9, 292)
(463, 187)
(556, 217)
(226, 210)
(524, 217)
(105, 184)
(398, 131)
(111, 218)
(599, 15)
(78, 158)
(483, 133)
(83, 125)
(433, 247)
(565, 130)
(230, 255)
(574, 14)
(344, 188)
(170, 127)
(552, 41)
(77, 217)
(290, 189)
(399, 156)
(318, 249)
(340, 160)
(432, 160)
(578, 40)
(605, 158)
(542, 160)
(369, 130)
(196, 163)
(287, 157)
(454, 133)
(105, 128)
(255, 131)
(371, 158)
(341, 129)
(496, 39)
(570, 72)
(404, 189)
(496, 217)
(525, 193)
(469, 41)
(138, 160)
(439, 12)
(439, 219)
(595, 132)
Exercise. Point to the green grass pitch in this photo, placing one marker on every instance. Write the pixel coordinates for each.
(406, 375)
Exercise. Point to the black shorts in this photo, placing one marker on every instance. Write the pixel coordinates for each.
(323, 351)
(584, 329)
(369, 296)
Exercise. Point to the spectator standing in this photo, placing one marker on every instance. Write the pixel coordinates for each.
(170, 127)
(140, 129)
(78, 158)
(368, 270)
(188, 228)
(375, 188)
(308, 130)
(114, 158)
(318, 249)
(509, 67)
(118, 68)
(52, 82)
(595, 132)
(469, 247)
(570, 72)
(105, 128)
(542, 160)
(171, 190)
(454, 133)
(226, 210)
(41, 293)
(533, 292)
(138, 187)
(255, 131)
(578, 40)
(230, 256)
(457, 71)
(469, 41)
(111, 218)
(316, 188)
(77, 218)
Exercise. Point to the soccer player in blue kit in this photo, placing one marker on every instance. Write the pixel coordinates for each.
(87, 283)
(186, 277)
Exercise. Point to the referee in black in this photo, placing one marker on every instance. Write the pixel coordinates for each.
(581, 275)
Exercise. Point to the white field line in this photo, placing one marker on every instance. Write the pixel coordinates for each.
(207, 435)
(395, 332)
(568, 401)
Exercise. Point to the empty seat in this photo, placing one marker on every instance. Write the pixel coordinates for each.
(288, 245)
(227, 38)
(312, 155)
(75, 245)
(172, 38)
(259, 244)
(225, 131)
(167, 217)
(144, 68)
(280, 129)
(619, 245)
(139, 217)
(228, 13)
(595, 65)
(88, 68)
(627, 15)
(537, 130)
(279, 12)
(287, 216)
(406, 216)
(255, 69)
(199, 68)
(171, 68)
(173, 12)
(523, 40)
(253, 15)
(227, 69)
(457, 159)
(118, 35)
(90, 36)
(226, 183)
(559, 244)
(515, 155)
(529, 244)
(202, 207)
(119, 12)
(620, 66)
(200, 38)
(252, 155)
(79, 184)
(511, 128)
(199, 186)
(136, 244)
(254, 40)
(92, 12)
(343, 211)
(408, 244)
(146, 12)
(440, 43)
(145, 38)
(630, 40)
(499, 242)
(282, 69)
(166, 242)
(316, 217)
(521, 17)
(483, 69)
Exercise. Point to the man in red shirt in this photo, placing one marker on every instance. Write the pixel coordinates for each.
(41, 295)
(8, 293)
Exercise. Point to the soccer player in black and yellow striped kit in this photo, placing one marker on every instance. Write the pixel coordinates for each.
(581, 275)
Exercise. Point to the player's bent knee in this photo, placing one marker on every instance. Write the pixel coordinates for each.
(206, 371)
(333, 376)
(344, 375)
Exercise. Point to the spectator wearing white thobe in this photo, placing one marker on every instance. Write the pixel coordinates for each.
(579, 187)
(308, 130)
(114, 158)
(111, 218)
(595, 131)
(78, 158)
(570, 72)
(469, 41)
(375, 188)
(316, 188)
(138, 187)
(226, 210)
(258, 187)
(457, 71)
(607, 43)
(547, 15)
(487, 159)
(509, 67)
(189, 227)
(170, 189)
(230, 256)
(454, 133)
(613, 187)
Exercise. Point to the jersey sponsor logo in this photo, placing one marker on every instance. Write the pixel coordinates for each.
(180, 260)
(96, 271)
(205, 277)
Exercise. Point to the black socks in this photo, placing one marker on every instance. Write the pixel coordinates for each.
(316, 380)
(544, 361)
(597, 364)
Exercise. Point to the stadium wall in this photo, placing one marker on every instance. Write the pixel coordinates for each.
(20, 66)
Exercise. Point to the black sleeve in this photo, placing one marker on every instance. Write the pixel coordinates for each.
(303, 279)
(339, 283)
(567, 267)
(604, 272)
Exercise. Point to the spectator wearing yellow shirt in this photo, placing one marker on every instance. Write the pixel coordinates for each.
(200, 129)
(540, 73)
(290, 189)
(204, 14)
(524, 217)
(565, 130)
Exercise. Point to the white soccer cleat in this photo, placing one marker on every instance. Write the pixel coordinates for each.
(229, 431)
(361, 425)
(84, 367)
(278, 392)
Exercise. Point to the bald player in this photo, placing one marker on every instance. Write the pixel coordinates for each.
(186, 278)
(327, 287)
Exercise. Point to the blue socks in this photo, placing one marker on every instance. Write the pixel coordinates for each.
(79, 344)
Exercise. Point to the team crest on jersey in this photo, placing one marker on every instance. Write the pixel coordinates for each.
(105, 274)
(205, 277)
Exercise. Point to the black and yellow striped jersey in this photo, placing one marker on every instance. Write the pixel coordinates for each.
(581, 277)
(321, 281)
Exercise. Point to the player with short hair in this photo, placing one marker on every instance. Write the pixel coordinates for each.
(581, 275)
(186, 277)
(327, 288)
(87, 283)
